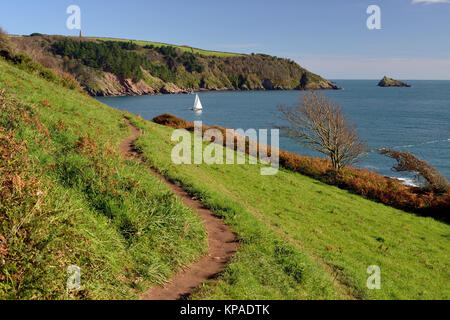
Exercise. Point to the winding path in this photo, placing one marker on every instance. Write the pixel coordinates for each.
(222, 241)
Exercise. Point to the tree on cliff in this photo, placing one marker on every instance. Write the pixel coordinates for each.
(318, 123)
(407, 162)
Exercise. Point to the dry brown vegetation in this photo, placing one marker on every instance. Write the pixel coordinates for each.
(366, 183)
(21, 203)
(87, 145)
(407, 162)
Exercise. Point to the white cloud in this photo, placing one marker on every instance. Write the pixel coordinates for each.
(431, 1)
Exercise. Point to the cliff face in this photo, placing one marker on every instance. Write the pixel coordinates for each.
(109, 84)
(389, 82)
(110, 68)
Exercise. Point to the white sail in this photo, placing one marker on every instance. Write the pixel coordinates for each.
(197, 104)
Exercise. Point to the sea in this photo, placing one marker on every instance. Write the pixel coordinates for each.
(415, 119)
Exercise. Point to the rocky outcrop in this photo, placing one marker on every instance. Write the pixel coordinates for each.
(111, 85)
(310, 81)
(389, 82)
(170, 88)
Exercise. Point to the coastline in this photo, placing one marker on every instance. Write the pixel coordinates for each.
(357, 93)
(196, 90)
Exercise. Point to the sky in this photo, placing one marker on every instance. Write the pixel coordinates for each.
(328, 37)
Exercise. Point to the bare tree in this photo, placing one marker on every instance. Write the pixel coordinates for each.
(318, 123)
(406, 161)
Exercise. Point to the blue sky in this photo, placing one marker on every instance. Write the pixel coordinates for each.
(329, 37)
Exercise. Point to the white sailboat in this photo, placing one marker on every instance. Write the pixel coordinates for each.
(197, 104)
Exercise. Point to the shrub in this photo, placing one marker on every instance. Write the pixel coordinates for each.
(48, 75)
(128, 45)
(5, 46)
(23, 205)
(21, 59)
(406, 161)
(170, 120)
(191, 63)
(108, 56)
(24, 62)
(69, 81)
(167, 51)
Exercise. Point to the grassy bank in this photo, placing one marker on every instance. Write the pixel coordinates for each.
(68, 198)
(332, 235)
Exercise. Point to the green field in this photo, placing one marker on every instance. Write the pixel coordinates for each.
(68, 198)
(208, 53)
(334, 235)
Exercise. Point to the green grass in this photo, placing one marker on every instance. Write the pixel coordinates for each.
(333, 234)
(208, 53)
(67, 197)
(75, 201)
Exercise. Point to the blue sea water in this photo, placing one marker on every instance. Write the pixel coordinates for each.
(415, 119)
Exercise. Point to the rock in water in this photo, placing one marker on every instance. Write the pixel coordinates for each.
(389, 82)
(310, 81)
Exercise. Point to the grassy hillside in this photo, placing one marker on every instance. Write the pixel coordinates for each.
(333, 234)
(68, 198)
(122, 67)
(369, 184)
